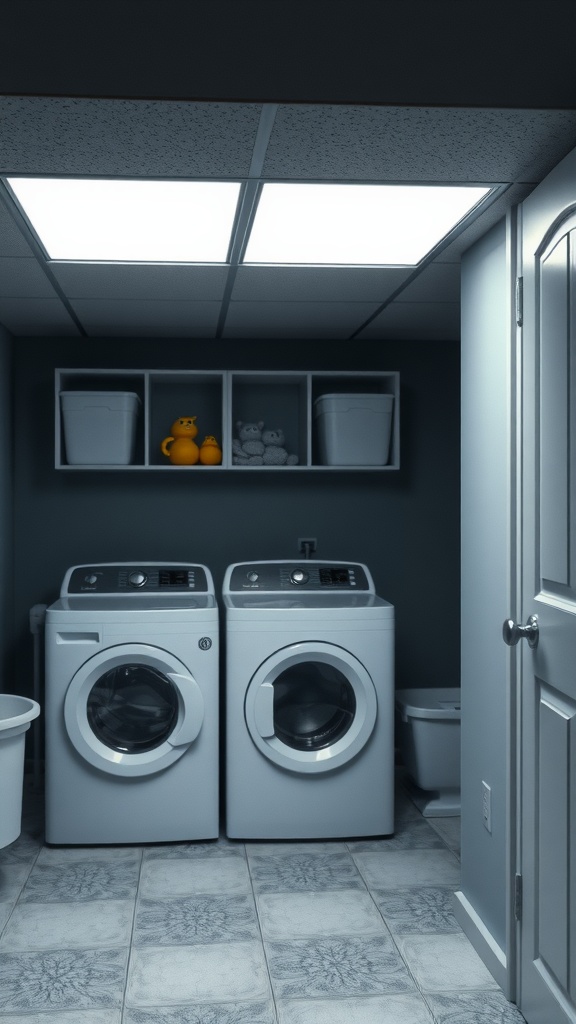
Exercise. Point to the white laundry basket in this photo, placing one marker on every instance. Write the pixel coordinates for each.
(16, 713)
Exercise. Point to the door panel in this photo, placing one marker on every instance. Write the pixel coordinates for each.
(547, 968)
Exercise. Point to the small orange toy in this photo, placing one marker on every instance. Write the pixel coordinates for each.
(210, 451)
(180, 447)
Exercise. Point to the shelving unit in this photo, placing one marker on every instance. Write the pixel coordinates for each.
(220, 399)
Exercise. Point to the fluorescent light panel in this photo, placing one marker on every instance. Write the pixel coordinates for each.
(130, 221)
(355, 224)
(92, 219)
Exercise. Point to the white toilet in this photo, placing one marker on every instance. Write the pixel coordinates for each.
(428, 737)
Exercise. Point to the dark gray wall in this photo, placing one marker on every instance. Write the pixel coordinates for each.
(5, 507)
(404, 525)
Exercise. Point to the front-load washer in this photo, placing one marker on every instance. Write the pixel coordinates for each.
(309, 702)
(131, 705)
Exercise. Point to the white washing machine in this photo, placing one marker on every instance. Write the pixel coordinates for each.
(309, 702)
(131, 705)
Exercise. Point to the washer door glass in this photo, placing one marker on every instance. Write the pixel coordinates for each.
(314, 705)
(133, 709)
(311, 707)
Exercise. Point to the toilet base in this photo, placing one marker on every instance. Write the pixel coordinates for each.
(434, 803)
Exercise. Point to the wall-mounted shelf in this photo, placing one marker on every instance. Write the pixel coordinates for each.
(221, 398)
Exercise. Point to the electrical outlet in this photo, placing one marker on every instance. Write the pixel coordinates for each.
(487, 806)
(307, 546)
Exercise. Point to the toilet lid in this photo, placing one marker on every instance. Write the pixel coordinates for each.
(436, 702)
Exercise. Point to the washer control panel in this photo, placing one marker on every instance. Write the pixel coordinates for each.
(274, 577)
(130, 578)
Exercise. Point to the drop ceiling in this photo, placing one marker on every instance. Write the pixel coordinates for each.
(46, 135)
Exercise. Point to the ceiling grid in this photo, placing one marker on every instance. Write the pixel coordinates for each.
(255, 143)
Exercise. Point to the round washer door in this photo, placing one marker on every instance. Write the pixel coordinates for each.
(311, 707)
(133, 710)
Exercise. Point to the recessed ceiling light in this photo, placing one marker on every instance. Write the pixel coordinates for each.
(355, 224)
(130, 220)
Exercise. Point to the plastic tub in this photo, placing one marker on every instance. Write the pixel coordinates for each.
(99, 427)
(354, 429)
(16, 713)
(428, 734)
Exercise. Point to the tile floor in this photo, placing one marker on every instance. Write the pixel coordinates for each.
(241, 933)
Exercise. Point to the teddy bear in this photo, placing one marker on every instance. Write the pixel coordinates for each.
(275, 453)
(248, 447)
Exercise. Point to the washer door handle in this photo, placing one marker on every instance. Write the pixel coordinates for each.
(193, 710)
(264, 710)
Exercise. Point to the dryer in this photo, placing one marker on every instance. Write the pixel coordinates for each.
(309, 702)
(131, 705)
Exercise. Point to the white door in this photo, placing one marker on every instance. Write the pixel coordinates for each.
(547, 929)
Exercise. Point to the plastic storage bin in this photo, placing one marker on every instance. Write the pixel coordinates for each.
(428, 734)
(16, 713)
(354, 429)
(99, 427)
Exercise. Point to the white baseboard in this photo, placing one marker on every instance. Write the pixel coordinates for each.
(483, 941)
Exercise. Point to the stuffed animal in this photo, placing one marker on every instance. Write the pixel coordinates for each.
(275, 453)
(248, 448)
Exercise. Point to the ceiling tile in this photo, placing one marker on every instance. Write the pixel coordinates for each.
(437, 279)
(122, 318)
(62, 135)
(417, 143)
(321, 284)
(140, 281)
(12, 241)
(37, 317)
(415, 321)
(295, 319)
(22, 277)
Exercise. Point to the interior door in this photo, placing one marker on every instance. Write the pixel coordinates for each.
(547, 840)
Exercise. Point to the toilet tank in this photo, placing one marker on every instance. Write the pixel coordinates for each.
(428, 735)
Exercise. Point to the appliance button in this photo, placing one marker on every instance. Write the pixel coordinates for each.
(137, 579)
(299, 576)
(91, 579)
(252, 576)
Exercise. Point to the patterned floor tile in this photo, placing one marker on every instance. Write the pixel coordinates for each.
(94, 924)
(441, 963)
(97, 1016)
(474, 1008)
(390, 1009)
(195, 919)
(449, 830)
(82, 880)
(23, 851)
(409, 867)
(222, 847)
(311, 872)
(51, 855)
(417, 910)
(409, 834)
(273, 849)
(261, 1012)
(228, 972)
(337, 966)
(301, 915)
(187, 877)
(12, 878)
(61, 980)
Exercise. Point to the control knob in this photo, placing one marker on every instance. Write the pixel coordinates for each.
(137, 579)
(299, 576)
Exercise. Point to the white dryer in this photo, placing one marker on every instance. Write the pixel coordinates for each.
(309, 702)
(131, 705)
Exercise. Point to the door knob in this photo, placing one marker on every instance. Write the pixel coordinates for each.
(512, 632)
